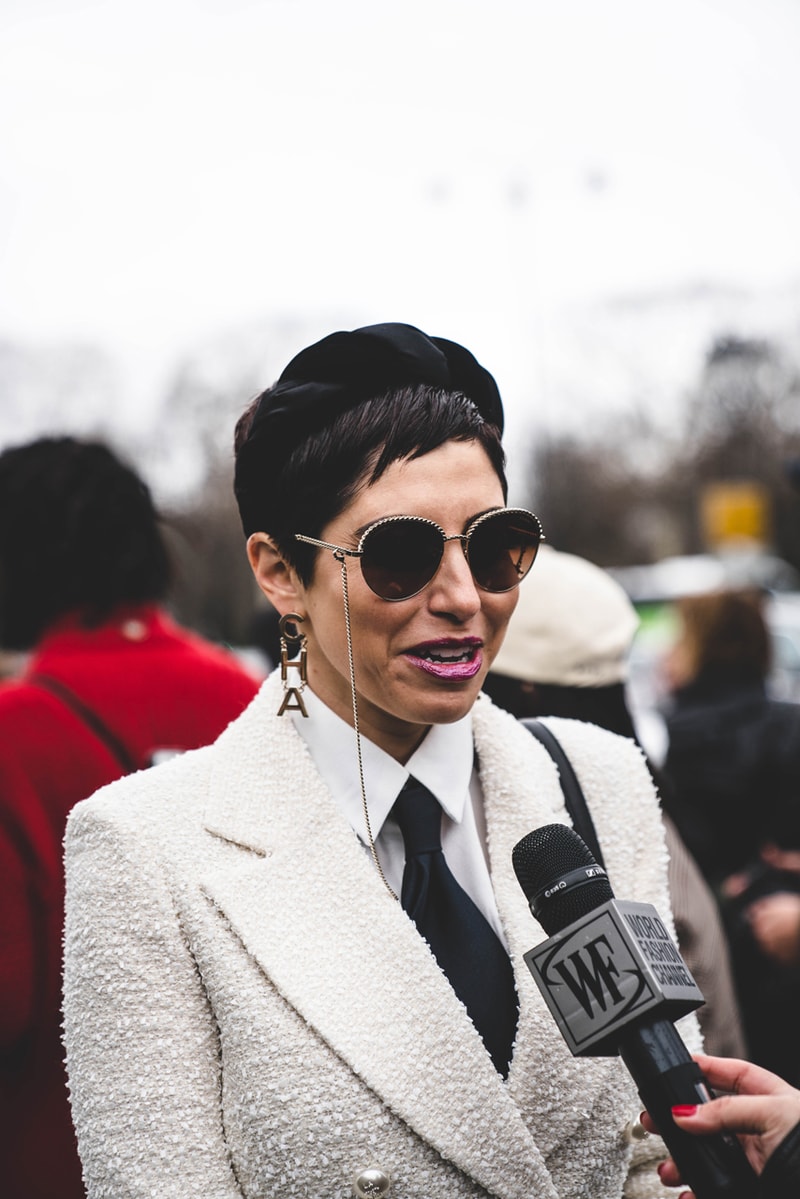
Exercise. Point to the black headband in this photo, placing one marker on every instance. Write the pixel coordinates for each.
(345, 369)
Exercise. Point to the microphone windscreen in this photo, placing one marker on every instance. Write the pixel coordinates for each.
(547, 857)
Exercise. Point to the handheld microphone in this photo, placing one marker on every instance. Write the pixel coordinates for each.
(615, 982)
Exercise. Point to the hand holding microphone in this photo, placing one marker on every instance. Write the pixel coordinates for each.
(615, 982)
(758, 1105)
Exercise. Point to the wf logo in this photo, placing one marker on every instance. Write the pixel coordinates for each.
(600, 973)
(591, 974)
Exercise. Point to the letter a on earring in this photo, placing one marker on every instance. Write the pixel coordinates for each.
(292, 696)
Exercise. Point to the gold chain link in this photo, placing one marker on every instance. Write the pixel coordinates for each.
(342, 562)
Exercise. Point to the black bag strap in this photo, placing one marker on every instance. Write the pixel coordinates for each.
(89, 718)
(573, 794)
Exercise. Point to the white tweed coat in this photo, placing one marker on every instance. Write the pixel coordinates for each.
(248, 1012)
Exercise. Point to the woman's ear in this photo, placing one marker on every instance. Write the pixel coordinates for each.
(276, 578)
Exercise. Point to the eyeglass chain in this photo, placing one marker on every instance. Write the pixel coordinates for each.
(340, 558)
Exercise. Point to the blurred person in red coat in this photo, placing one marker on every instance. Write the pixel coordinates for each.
(110, 684)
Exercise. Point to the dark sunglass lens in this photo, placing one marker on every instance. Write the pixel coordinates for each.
(400, 557)
(502, 548)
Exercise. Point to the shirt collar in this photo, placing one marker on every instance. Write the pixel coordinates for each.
(443, 763)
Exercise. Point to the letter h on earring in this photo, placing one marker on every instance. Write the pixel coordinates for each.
(292, 696)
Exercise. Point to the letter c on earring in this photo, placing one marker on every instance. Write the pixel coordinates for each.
(294, 638)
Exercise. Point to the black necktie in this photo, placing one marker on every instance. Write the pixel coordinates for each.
(461, 939)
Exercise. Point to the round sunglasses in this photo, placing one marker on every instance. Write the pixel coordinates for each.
(401, 554)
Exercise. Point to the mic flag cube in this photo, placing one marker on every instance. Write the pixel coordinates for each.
(607, 969)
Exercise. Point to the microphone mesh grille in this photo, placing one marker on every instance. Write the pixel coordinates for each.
(543, 857)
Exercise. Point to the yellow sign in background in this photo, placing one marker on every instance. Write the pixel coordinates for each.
(735, 511)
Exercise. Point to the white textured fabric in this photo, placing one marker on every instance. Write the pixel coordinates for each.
(573, 625)
(249, 1013)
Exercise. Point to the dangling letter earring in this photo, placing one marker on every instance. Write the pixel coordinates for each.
(292, 696)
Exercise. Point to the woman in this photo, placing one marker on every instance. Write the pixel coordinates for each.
(249, 1009)
(762, 1108)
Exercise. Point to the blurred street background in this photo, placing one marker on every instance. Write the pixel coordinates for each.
(600, 200)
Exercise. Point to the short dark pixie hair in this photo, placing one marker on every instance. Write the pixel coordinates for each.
(326, 471)
(78, 534)
(344, 410)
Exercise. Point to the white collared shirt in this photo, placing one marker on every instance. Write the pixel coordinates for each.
(444, 763)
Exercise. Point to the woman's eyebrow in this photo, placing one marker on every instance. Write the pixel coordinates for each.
(395, 516)
(388, 516)
(361, 530)
(477, 515)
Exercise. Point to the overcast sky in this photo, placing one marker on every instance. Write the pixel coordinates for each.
(171, 169)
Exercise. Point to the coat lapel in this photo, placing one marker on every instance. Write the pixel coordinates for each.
(311, 909)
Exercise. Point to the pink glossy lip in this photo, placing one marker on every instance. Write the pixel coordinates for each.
(449, 658)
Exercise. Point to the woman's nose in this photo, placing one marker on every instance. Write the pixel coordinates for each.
(453, 588)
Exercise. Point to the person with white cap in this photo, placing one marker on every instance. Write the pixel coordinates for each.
(566, 653)
(569, 639)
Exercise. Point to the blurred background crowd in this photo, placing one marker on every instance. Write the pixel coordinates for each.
(602, 203)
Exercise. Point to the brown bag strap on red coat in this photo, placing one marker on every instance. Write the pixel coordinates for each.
(89, 718)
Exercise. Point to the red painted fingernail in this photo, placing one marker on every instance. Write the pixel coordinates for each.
(685, 1109)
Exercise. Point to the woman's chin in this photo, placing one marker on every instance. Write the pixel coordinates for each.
(443, 704)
